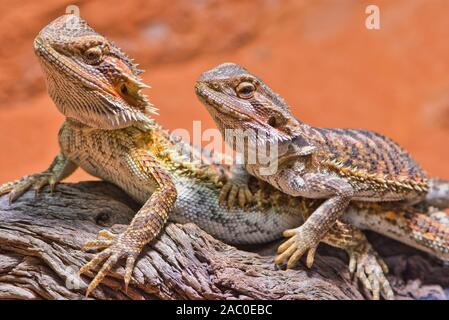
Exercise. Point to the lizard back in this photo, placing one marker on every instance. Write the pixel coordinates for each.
(368, 156)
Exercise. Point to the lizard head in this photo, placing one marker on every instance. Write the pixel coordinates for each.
(238, 100)
(89, 78)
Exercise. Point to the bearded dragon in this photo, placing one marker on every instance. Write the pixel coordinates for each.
(337, 165)
(109, 132)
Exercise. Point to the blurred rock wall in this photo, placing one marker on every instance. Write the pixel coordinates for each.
(317, 54)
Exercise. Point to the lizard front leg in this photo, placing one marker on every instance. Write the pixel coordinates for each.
(364, 261)
(144, 227)
(60, 168)
(307, 237)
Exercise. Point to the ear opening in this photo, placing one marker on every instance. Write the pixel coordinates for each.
(276, 121)
(272, 121)
(302, 146)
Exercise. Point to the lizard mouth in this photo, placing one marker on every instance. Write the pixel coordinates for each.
(219, 103)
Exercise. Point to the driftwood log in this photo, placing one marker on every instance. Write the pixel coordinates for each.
(40, 241)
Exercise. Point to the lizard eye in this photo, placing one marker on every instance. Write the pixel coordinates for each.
(245, 90)
(93, 55)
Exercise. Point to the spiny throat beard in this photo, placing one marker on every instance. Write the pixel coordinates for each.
(92, 106)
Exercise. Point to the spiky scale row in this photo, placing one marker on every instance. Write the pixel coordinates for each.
(164, 146)
(378, 181)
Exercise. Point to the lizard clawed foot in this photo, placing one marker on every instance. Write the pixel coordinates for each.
(235, 187)
(294, 248)
(115, 248)
(370, 269)
(35, 181)
(235, 190)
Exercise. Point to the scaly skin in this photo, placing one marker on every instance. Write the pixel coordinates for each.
(108, 132)
(339, 165)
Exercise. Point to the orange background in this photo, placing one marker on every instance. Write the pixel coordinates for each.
(317, 54)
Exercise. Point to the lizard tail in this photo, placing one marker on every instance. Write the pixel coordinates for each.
(428, 232)
(431, 232)
(438, 194)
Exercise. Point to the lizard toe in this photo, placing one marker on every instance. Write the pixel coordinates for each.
(20, 188)
(294, 258)
(41, 182)
(130, 261)
(107, 266)
(223, 197)
(232, 196)
(7, 187)
(92, 264)
(106, 234)
(96, 244)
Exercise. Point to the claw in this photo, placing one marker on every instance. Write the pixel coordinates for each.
(294, 258)
(117, 247)
(352, 263)
(128, 271)
(310, 257)
(284, 255)
(375, 286)
(20, 189)
(7, 187)
(106, 234)
(389, 295)
(107, 266)
(52, 185)
(382, 263)
(39, 184)
(363, 278)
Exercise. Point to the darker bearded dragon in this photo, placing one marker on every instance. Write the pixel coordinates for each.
(339, 166)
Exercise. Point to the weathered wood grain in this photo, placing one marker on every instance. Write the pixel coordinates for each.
(40, 241)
